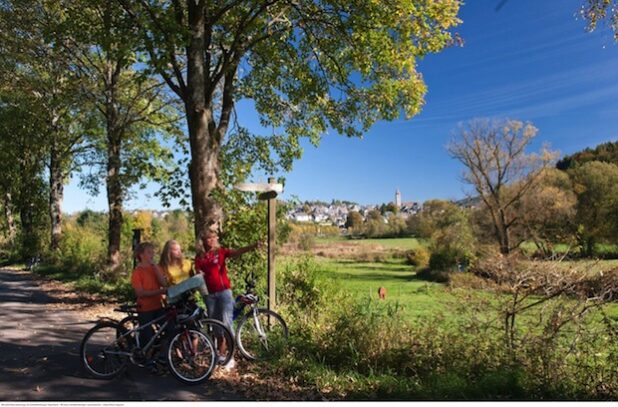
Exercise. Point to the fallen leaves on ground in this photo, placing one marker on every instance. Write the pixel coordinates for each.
(254, 384)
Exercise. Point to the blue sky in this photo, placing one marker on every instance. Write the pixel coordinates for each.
(531, 60)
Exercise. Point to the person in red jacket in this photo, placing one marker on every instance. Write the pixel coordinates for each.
(211, 263)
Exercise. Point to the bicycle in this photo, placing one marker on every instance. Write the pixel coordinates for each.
(213, 328)
(261, 334)
(109, 346)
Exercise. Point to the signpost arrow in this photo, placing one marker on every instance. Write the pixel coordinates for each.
(259, 187)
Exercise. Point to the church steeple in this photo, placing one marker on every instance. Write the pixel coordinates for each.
(398, 198)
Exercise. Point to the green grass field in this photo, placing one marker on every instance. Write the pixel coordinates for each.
(418, 298)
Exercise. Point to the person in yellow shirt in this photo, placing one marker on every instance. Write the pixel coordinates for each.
(178, 272)
(175, 267)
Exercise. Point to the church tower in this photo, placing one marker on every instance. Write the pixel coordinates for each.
(398, 198)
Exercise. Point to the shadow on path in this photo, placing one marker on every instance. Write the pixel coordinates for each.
(39, 355)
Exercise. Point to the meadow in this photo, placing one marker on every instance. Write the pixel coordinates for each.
(361, 266)
(437, 341)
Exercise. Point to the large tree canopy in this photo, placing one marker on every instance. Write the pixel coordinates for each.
(308, 66)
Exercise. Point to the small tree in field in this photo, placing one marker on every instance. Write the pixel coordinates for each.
(354, 220)
(596, 186)
(547, 211)
(499, 169)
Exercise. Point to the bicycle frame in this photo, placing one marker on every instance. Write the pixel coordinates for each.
(157, 334)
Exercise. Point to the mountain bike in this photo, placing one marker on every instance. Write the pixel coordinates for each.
(109, 346)
(186, 305)
(261, 333)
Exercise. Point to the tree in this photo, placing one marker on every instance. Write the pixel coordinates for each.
(606, 152)
(41, 69)
(448, 227)
(499, 169)
(396, 225)
(22, 161)
(354, 220)
(375, 215)
(436, 214)
(547, 211)
(129, 107)
(391, 207)
(596, 11)
(596, 186)
(307, 65)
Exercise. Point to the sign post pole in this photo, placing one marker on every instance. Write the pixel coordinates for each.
(268, 192)
(272, 221)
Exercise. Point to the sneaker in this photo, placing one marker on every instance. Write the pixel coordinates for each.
(230, 365)
(220, 359)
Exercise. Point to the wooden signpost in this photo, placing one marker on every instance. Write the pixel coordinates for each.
(268, 192)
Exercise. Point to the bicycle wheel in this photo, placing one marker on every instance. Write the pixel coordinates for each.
(191, 357)
(261, 334)
(218, 332)
(103, 354)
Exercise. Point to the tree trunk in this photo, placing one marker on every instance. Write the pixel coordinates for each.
(114, 187)
(114, 196)
(504, 234)
(56, 194)
(30, 245)
(590, 242)
(203, 137)
(10, 218)
(204, 175)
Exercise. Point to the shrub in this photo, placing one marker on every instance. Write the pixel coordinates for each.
(436, 276)
(81, 250)
(365, 349)
(300, 287)
(443, 260)
(370, 257)
(418, 257)
(306, 242)
(468, 280)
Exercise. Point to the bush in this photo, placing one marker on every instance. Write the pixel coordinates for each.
(306, 242)
(370, 257)
(443, 260)
(418, 257)
(468, 281)
(82, 250)
(436, 276)
(300, 287)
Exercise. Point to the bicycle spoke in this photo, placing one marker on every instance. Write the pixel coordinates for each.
(262, 335)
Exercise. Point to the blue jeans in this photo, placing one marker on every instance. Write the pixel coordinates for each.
(220, 306)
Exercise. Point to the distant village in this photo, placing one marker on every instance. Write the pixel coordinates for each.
(336, 213)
